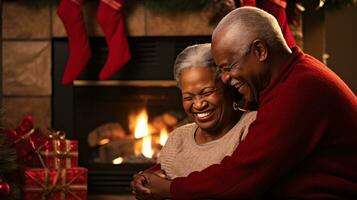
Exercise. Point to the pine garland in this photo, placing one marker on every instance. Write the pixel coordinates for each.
(7, 156)
(176, 5)
(8, 163)
(179, 6)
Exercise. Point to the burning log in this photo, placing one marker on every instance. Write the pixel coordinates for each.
(141, 146)
(168, 120)
(124, 150)
(106, 133)
(115, 149)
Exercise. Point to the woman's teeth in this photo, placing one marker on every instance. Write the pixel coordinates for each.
(201, 115)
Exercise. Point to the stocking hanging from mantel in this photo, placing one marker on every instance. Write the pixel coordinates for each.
(70, 12)
(110, 19)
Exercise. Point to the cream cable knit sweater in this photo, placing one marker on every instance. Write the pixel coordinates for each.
(181, 155)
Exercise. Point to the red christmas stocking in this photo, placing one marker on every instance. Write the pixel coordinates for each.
(248, 3)
(277, 9)
(70, 12)
(110, 18)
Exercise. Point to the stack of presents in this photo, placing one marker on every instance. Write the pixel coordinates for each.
(49, 163)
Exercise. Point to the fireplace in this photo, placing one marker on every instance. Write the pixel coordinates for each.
(97, 113)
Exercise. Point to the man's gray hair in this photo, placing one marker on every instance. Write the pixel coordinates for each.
(198, 55)
(255, 24)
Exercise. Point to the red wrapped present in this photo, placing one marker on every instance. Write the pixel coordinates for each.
(60, 153)
(26, 139)
(45, 183)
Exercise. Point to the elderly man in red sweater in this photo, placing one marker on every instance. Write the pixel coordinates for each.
(303, 144)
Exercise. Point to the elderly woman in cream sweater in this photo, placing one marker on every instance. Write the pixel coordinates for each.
(218, 125)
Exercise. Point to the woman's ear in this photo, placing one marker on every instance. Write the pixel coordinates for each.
(260, 50)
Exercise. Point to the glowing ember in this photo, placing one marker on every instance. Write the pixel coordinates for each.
(163, 137)
(118, 160)
(104, 141)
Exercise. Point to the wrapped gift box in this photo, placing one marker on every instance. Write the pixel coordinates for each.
(60, 153)
(26, 140)
(45, 183)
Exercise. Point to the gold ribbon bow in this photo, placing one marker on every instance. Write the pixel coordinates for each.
(56, 135)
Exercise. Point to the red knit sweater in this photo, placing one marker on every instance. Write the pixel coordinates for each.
(303, 144)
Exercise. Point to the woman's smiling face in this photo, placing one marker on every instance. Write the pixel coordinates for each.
(205, 99)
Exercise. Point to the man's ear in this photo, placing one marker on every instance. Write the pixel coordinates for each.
(260, 50)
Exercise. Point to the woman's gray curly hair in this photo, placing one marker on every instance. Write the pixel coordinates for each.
(198, 55)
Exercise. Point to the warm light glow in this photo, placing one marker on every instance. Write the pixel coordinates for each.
(163, 136)
(141, 125)
(104, 141)
(118, 160)
(146, 148)
(142, 131)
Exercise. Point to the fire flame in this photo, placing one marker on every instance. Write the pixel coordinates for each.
(146, 148)
(142, 131)
(163, 136)
(141, 125)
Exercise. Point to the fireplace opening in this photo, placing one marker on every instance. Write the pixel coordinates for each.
(125, 123)
(142, 144)
(121, 124)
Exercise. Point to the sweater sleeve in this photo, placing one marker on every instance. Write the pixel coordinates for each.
(290, 122)
(167, 150)
(165, 153)
(153, 168)
(170, 149)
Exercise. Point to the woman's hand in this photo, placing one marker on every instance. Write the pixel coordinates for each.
(138, 185)
(159, 186)
(161, 173)
(150, 186)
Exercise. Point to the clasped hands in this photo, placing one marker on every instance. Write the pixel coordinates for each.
(151, 185)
